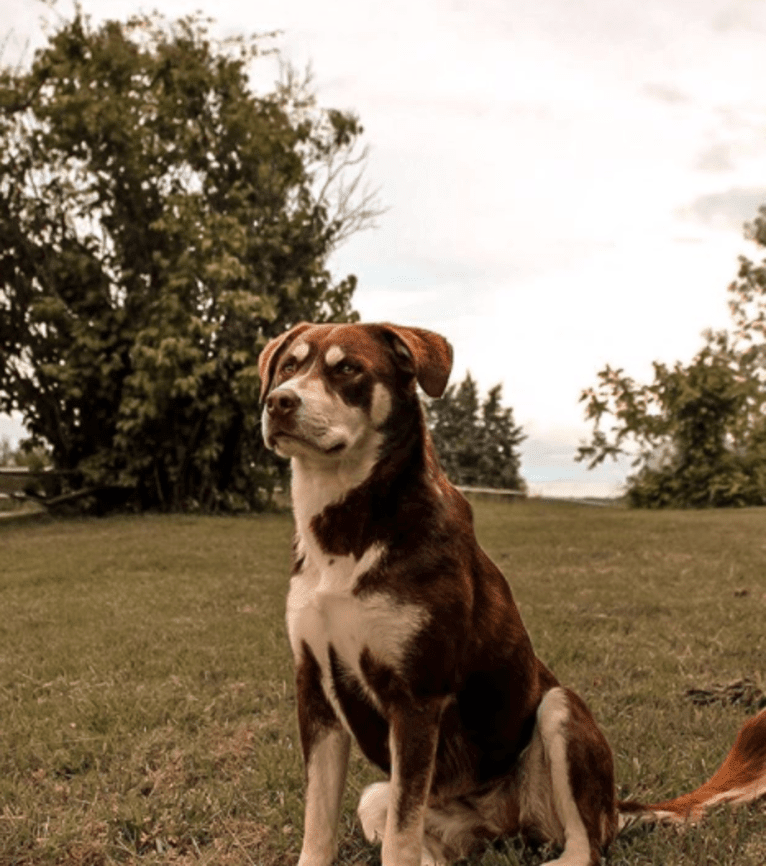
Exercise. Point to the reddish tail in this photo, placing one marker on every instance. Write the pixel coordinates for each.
(740, 779)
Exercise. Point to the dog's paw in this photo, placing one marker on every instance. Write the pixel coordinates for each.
(316, 858)
(372, 811)
(430, 858)
(571, 860)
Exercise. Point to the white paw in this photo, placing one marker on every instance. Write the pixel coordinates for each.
(430, 859)
(372, 811)
(569, 860)
(316, 858)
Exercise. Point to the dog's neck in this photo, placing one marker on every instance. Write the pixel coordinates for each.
(336, 505)
(315, 485)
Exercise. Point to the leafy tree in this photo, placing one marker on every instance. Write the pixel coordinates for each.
(158, 224)
(476, 443)
(698, 431)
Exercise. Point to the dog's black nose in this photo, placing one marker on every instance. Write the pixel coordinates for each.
(282, 402)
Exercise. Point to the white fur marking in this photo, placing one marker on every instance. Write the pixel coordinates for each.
(322, 610)
(334, 355)
(301, 351)
(381, 404)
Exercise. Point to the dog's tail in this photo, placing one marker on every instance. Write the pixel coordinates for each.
(740, 779)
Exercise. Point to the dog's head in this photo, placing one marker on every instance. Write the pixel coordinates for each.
(328, 389)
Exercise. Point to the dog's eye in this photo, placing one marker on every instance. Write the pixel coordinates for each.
(289, 367)
(347, 368)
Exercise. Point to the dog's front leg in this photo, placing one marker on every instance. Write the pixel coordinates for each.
(325, 745)
(326, 776)
(413, 737)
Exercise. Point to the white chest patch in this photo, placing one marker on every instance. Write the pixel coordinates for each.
(323, 611)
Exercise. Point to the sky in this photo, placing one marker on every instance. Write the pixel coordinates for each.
(565, 183)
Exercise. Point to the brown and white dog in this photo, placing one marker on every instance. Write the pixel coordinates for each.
(406, 636)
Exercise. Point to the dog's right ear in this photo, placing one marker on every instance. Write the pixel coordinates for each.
(267, 360)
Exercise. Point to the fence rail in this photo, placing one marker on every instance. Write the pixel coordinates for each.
(496, 491)
(594, 502)
(20, 484)
(14, 479)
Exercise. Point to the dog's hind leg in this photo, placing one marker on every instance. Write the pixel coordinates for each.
(373, 814)
(580, 800)
(372, 811)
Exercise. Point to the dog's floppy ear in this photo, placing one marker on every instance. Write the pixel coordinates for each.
(267, 360)
(426, 354)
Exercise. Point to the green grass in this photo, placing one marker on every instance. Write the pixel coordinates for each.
(146, 702)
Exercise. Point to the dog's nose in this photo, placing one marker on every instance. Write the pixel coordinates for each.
(282, 403)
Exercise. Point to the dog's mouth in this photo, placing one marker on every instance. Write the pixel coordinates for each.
(333, 449)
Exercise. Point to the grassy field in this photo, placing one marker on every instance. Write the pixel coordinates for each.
(146, 706)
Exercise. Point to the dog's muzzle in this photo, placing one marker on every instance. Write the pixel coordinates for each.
(279, 414)
(280, 421)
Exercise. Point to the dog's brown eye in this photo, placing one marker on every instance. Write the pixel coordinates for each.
(346, 368)
(289, 367)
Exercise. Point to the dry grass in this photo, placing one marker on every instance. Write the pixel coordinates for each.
(146, 708)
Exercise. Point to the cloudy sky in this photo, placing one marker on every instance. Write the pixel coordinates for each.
(566, 183)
